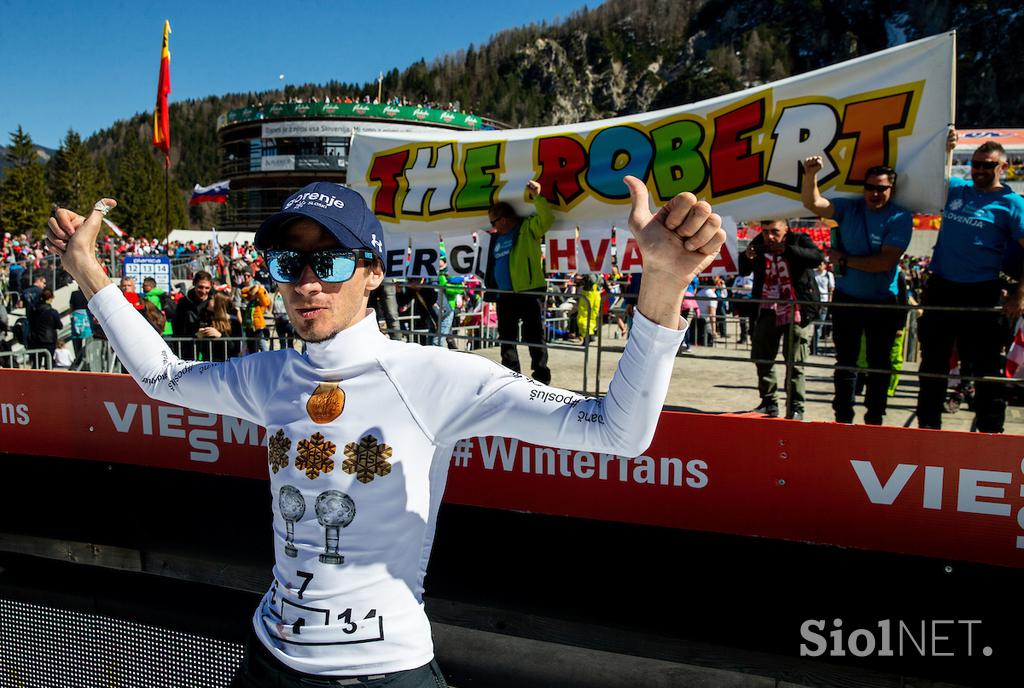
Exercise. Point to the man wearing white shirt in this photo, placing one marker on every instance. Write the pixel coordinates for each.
(826, 282)
(361, 428)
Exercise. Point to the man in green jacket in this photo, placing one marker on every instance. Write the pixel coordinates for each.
(159, 298)
(515, 269)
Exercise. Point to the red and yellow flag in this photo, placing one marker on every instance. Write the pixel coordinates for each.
(161, 122)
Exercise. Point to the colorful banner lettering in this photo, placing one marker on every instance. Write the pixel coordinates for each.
(742, 152)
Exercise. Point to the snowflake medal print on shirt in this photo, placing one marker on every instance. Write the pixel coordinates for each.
(277, 450)
(315, 456)
(366, 459)
(325, 403)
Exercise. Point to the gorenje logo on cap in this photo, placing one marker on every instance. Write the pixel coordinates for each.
(314, 198)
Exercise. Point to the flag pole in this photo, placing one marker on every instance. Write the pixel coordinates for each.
(167, 198)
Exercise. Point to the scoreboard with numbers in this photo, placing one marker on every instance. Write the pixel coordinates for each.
(141, 267)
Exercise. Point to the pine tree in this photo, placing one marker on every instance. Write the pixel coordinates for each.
(72, 175)
(140, 191)
(23, 199)
(139, 188)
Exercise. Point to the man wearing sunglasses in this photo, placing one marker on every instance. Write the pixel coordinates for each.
(361, 428)
(981, 218)
(872, 235)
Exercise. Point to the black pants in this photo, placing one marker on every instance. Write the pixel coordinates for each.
(978, 338)
(528, 308)
(878, 327)
(260, 669)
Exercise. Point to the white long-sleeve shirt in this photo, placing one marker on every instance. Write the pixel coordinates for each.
(356, 495)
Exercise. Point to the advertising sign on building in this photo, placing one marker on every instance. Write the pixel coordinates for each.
(277, 163)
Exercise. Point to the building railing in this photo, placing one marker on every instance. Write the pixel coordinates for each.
(413, 114)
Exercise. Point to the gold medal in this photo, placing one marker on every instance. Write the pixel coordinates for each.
(326, 403)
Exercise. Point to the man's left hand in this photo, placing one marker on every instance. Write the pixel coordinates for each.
(835, 255)
(532, 189)
(681, 239)
(1014, 306)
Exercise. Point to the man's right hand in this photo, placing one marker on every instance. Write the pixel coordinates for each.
(73, 238)
(813, 164)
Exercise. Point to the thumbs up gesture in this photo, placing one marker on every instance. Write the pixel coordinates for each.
(73, 238)
(681, 239)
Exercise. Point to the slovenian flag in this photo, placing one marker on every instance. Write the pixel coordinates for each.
(114, 228)
(214, 193)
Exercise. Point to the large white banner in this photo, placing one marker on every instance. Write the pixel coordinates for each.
(742, 152)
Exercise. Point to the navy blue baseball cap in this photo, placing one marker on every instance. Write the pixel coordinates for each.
(336, 208)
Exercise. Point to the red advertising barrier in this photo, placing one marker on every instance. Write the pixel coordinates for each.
(934, 493)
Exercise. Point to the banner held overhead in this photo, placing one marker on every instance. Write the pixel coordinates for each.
(741, 152)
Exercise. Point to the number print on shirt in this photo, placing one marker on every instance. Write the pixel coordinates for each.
(295, 621)
(306, 577)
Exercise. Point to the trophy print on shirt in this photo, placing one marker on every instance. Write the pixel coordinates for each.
(335, 510)
(326, 403)
(366, 459)
(277, 450)
(293, 508)
(315, 455)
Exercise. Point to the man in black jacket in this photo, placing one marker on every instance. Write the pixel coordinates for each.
(783, 264)
(44, 323)
(186, 315)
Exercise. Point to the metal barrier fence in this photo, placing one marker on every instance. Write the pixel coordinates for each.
(39, 359)
(424, 323)
(50, 268)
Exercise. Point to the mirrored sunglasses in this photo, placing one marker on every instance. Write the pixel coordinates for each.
(329, 265)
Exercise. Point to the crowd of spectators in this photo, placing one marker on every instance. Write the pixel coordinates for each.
(795, 290)
(397, 100)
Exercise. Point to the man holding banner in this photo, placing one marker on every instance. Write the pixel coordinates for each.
(872, 235)
(514, 265)
(347, 608)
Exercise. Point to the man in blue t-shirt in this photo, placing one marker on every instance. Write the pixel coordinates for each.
(981, 218)
(873, 233)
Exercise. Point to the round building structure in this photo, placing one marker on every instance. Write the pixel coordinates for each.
(270, 152)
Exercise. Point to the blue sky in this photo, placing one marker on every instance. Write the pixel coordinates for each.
(84, 65)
